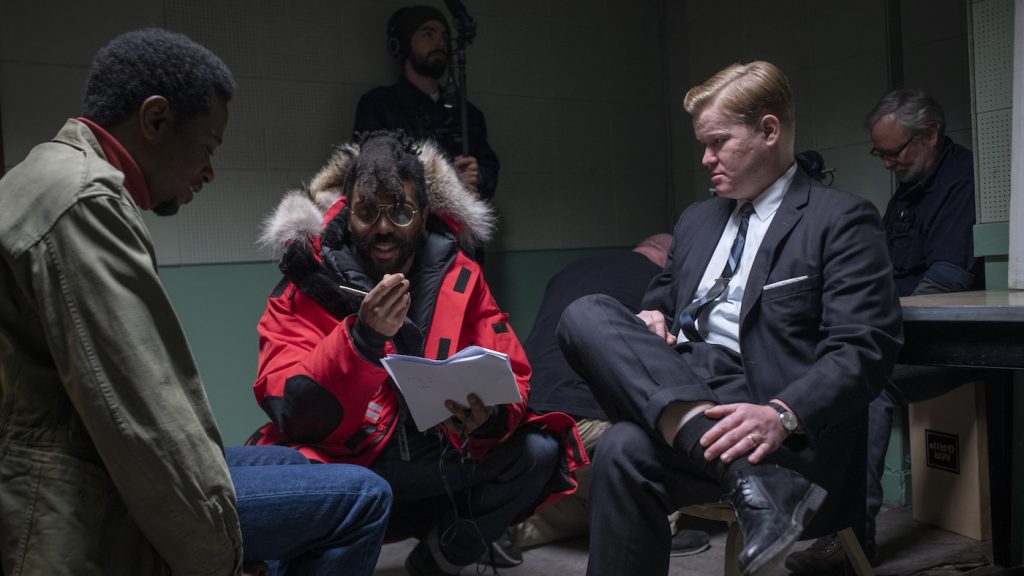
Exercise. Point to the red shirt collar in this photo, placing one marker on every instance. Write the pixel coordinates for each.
(119, 158)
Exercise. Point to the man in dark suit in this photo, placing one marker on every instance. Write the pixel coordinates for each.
(750, 369)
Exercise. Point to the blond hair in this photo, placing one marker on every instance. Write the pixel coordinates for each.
(746, 93)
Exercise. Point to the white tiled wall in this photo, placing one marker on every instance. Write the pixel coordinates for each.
(583, 98)
(993, 102)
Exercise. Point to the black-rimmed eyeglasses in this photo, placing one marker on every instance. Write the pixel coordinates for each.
(885, 155)
(400, 213)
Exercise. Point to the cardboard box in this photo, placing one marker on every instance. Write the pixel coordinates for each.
(949, 462)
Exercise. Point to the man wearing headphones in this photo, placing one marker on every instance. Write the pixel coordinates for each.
(418, 37)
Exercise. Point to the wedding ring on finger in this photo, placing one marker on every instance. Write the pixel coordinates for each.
(754, 439)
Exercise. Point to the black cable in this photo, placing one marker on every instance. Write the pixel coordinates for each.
(450, 532)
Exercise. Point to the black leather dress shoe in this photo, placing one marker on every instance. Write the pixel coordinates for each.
(773, 505)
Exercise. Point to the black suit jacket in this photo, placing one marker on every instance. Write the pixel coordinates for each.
(820, 322)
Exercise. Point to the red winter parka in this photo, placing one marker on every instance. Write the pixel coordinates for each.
(323, 397)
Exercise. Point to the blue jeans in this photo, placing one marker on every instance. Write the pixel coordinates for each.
(304, 518)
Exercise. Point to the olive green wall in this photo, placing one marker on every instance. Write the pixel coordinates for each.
(219, 306)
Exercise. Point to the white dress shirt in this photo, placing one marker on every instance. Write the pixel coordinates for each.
(722, 319)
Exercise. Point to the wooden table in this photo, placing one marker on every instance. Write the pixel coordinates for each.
(982, 329)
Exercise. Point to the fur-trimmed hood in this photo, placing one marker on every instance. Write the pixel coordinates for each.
(301, 213)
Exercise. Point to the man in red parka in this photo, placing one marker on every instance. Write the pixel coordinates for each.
(395, 223)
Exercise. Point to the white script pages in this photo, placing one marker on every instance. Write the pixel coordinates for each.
(426, 384)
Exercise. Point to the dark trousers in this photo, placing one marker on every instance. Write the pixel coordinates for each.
(470, 502)
(908, 384)
(633, 373)
(637, 477)
(637, 480)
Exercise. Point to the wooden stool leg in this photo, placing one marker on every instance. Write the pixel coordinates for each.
(733, 545)
(855, 553)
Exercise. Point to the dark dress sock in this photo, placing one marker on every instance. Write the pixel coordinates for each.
(687, 443)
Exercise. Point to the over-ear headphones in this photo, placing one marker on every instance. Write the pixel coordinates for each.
(813, 164)
(404, 23)
(396, 39)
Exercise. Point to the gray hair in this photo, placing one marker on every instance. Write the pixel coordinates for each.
(914, 110)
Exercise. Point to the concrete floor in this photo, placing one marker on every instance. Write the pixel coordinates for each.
(906, 548)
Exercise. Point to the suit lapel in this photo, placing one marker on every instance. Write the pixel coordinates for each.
(703, 246)
(786, 217)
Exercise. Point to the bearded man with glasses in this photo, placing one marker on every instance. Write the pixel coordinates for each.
(929, 225)
(929, 220)
(374, 263)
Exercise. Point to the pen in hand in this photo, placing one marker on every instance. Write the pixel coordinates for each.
(385, 307)
(353, 291)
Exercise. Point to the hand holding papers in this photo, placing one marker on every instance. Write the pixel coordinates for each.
(426, 384)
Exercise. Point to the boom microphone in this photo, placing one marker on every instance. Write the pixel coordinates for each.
(465, 23)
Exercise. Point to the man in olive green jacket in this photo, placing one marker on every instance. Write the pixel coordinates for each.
(110, 460)
(104, 422)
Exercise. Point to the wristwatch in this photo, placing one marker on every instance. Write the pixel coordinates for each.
(786, 418)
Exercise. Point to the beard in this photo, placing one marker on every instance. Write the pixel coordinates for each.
(406, 250)
(168, 208)
(913, 172)
(430, 66)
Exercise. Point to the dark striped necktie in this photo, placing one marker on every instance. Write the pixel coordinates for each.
(688, 318)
